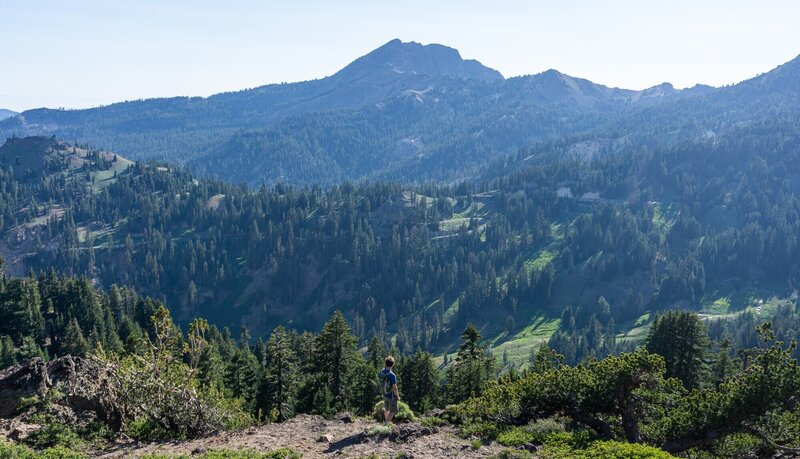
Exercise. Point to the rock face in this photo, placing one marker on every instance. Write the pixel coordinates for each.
(83, 386)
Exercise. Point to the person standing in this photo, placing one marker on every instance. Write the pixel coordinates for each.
(390, 394)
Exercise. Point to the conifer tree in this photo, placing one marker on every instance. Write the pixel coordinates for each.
(241, 377)
(472, 369)
(277, 394)
(545, 359)
(8, 353)
(682, 339)
(74, 342)
(335, 357)
(376, 352)
(420, 380)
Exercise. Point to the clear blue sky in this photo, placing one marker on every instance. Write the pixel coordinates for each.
(81, 53)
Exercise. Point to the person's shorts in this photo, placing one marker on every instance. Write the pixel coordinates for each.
(390, 404)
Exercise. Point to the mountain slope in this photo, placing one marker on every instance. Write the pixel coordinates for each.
(429, 101)
(173, 127)
(4, 113)
(578, 241)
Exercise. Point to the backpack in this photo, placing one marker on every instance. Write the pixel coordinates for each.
(384, 384)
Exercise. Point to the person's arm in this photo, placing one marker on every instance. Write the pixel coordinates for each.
(394, 389)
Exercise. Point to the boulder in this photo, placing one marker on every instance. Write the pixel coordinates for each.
(20, 431)
(346, 418)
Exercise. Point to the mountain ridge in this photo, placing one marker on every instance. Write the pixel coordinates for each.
(399, 112)
(5, 113)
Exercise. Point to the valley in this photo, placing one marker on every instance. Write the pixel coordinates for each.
(562, 269)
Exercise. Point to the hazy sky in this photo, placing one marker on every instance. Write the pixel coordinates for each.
(81, 53)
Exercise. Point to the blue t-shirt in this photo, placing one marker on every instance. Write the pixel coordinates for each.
(389, 379)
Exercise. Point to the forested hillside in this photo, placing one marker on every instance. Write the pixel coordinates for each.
(561, 268)
(135, 375)
(556, 244)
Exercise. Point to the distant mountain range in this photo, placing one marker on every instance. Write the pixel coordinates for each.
(4, 113)
(404, 111)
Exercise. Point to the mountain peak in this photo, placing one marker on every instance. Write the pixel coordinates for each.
(415, 58)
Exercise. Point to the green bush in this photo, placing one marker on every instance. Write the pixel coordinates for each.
(378, 430)
(433, 421)
(606, 450)
(27, 402)
(513, 454)
(548, 432)
(404, 413)
(53, 433)
(481, 429)
(60, 453)
(147, 430)
(14, 451)
(453, 414)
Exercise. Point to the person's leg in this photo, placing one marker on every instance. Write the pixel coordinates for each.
(387, 413)
(392, 410)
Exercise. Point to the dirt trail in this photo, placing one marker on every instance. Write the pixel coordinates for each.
(343, 440)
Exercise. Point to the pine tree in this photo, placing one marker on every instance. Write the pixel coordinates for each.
(472, 369)
(724, 366)
(29, 349)
(376, 352)
(74, 342)
(420, 381)
(8, 353)
(362, 387)
(241, 377)
(545, 359)
(277, 394)
(211, 369)
(682, 339)
(335, 357)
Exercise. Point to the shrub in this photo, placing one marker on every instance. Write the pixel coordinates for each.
(60, 453)
(404, 413)
(147, 430)
(453, 414)
(513, 454)
(53, 433)
(378, 430)
(27, 402)
(481, 429)
(607, 450)
(541, 432)
(14, 451)
(433, 421)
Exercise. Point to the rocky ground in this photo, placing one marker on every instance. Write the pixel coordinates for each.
(315, 437)
(77, 392)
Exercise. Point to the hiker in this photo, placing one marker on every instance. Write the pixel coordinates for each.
(390, 394)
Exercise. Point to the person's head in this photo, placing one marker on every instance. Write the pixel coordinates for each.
(389, 361)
